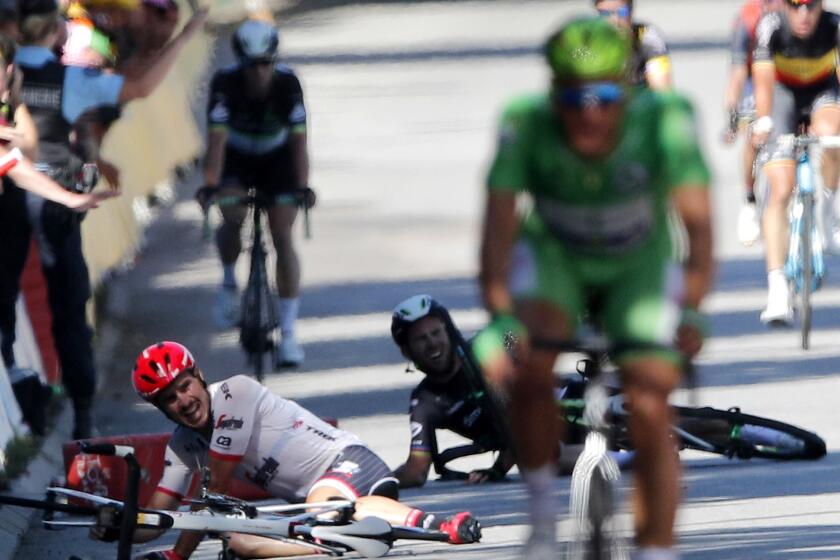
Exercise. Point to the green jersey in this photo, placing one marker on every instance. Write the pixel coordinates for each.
(614, 205)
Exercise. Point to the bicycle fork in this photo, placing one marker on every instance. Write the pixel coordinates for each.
(802, 216)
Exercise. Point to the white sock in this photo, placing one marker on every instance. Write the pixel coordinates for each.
(287, 312)
(776, 280)
(655, 553)
(541, 502)
(228, 276)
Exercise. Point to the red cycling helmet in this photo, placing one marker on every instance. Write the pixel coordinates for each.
(158, 365)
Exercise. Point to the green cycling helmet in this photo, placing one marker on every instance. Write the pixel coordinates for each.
(588, 48)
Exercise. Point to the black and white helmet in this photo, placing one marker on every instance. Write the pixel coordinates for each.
(256, 41)
(413, 309)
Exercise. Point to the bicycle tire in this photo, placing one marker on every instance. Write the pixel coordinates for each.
(258, 321)
(806, 255)
(793, 443)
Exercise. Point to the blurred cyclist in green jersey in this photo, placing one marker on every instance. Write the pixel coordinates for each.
(604, 164)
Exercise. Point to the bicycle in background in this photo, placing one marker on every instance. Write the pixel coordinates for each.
(258, 321)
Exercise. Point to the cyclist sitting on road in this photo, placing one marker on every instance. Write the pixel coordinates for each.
(257, 138)
(794, 74)
(447, 398)
(236, 427)
(738, 100)
(650, 65)
(603, 164)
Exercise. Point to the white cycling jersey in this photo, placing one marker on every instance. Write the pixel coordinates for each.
(281, 446)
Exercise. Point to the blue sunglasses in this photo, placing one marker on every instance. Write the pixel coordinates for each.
(622, 12)
(598, 94)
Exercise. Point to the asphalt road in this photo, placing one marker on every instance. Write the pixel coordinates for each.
(403, 98)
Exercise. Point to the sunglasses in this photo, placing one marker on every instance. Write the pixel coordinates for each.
(622, 12)
(810, 4)
(599, 94)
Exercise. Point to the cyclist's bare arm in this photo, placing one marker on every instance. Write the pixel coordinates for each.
(764, 76)
(214, 159)
(221, 474)
(692, 205)
(162, 501)
(300, 156)
(738, 74)
(415, 471)
(142, 85)
(500, 225)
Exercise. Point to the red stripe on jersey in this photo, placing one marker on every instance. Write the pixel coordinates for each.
(225, 457)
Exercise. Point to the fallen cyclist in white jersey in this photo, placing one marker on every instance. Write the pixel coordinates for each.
(238, 428)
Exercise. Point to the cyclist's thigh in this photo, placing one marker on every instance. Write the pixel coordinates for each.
(785, 115)
(548, 298)
(357, 471)
(232, 214)
(825, 112)
(281, 217)
(641, 309)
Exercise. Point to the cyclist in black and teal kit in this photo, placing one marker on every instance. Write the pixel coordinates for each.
(257, 138)
(795, 73)
(650, 63)
(447, 398)
(604, 164)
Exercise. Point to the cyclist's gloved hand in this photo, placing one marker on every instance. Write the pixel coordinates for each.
(691, 332)
(205, 195)
(309, 197)
(162, 555)
(108, 521)
(480, 476)
(503, 336)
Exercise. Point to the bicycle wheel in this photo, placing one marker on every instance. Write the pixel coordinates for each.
(733, 433)
(257, 326)
(807, 264)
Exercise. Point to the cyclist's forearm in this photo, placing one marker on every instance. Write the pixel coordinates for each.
(300, 156)
(214, 159)
(500, 224)
(735, 86)
(763, 79)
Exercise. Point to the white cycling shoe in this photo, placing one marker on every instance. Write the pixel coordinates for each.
(289, 352)
(749, 230)
(226, 309)
(778, 311)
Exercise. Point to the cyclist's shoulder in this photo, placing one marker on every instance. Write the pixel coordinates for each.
(239, 388)
(649, 35)
(768, 25)
(229, 72)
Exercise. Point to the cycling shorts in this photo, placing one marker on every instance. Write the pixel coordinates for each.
(637, 297)
(790, 105)
(271, 173)
(358, 471)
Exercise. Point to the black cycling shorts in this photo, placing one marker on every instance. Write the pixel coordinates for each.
(358, 471)
(271, 173)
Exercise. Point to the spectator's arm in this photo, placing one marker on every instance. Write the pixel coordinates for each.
(27, 140)
(143, 84)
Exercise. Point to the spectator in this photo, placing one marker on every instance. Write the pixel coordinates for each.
(58, 95)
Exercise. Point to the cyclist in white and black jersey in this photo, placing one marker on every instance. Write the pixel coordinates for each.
(237, 428)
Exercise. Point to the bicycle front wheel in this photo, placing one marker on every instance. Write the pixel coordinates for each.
(806, 254)
(733, 433)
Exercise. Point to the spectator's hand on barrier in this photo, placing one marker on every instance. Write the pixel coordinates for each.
(89, 201)
(691, 332)
(205, 195)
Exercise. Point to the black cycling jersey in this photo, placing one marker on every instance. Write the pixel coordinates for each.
(648, 44)
(256, 126)
(449, 406)
(800, 63)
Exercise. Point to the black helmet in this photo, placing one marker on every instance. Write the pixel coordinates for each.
(413, 309)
